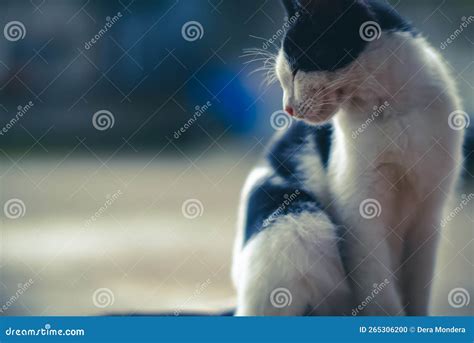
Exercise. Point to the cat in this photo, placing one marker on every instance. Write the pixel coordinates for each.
(342, 216)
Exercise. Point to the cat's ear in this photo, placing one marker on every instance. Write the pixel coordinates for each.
(291, 6)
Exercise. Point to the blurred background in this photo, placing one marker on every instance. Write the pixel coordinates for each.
(128, 130)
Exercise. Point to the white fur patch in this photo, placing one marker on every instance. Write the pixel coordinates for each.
(297, 253)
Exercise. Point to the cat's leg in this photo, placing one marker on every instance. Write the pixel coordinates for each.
(422, 238)
(420, 254)
(374, 217)
(293, 267)
(417, 270)
(368, 257)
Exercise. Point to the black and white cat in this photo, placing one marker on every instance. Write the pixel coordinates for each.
(350, 197)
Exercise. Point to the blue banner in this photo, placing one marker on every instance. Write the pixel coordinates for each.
(233, 329)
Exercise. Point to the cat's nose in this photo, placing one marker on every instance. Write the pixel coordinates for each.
(289, 110)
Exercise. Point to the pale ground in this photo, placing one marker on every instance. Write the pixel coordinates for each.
(142, 248)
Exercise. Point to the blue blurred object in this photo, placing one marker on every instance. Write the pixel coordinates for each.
(233, 102)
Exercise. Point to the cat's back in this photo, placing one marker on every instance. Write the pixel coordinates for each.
(293, 171)
(299, 147)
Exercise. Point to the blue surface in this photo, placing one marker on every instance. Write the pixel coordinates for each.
(228, 329)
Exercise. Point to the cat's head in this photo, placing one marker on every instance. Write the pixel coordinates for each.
(317, 65)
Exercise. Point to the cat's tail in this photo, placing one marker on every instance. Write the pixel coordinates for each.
(293, 268)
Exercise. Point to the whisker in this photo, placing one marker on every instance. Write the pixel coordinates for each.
(267, 61)
(256, 60)
(265, 40)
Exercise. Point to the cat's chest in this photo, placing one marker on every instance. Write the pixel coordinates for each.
(405, 155)
(395, 146)
(390, 163)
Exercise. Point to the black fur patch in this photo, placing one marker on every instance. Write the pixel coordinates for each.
(283, 152)
(268, 201)
(326, 37)
(388, 18)
(323, 138)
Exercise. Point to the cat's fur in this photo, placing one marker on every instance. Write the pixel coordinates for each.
(303, 246)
